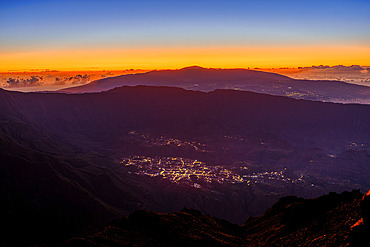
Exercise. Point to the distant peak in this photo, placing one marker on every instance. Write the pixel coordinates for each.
(193, 68)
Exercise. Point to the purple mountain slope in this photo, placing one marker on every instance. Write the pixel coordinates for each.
(202, 79)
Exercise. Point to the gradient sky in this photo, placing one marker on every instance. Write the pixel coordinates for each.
(70, 35)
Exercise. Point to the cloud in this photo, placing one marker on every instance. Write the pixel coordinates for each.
(352, 67)
(31, 82)
(59, 82)
(51, 70)
(336, 67)
(107, 74)
(78, 79)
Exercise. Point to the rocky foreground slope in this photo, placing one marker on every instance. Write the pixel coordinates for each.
(330, 220)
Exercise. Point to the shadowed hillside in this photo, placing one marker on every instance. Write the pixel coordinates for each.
(325, 221)
(70, 162)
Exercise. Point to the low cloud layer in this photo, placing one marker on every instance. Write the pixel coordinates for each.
(78, 79)
(29, 82)
(336, 67)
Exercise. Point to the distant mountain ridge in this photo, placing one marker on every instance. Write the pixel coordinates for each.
(206, 80)
(192, 78)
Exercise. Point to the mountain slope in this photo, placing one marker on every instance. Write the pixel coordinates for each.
(193, 78)
(324, 221)
(61, 155)
(177, 111)
(201, 79)
(107, 115)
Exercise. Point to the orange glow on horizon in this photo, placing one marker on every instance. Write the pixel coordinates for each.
(174, 58)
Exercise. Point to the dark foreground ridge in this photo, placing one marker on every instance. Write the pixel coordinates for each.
(330, 220)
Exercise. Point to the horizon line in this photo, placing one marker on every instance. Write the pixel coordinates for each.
(97, 69)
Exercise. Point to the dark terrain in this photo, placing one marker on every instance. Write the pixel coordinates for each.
(71, 162)
(206, 80)
(330, 220)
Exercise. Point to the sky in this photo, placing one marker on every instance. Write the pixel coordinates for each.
(92, 35)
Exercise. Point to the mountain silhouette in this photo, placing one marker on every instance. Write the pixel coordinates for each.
(206, 80)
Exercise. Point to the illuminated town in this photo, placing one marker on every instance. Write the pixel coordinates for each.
(164, 141)
(196, 173)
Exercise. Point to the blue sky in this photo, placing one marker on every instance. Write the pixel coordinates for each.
(28, 24)
(181, 32)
